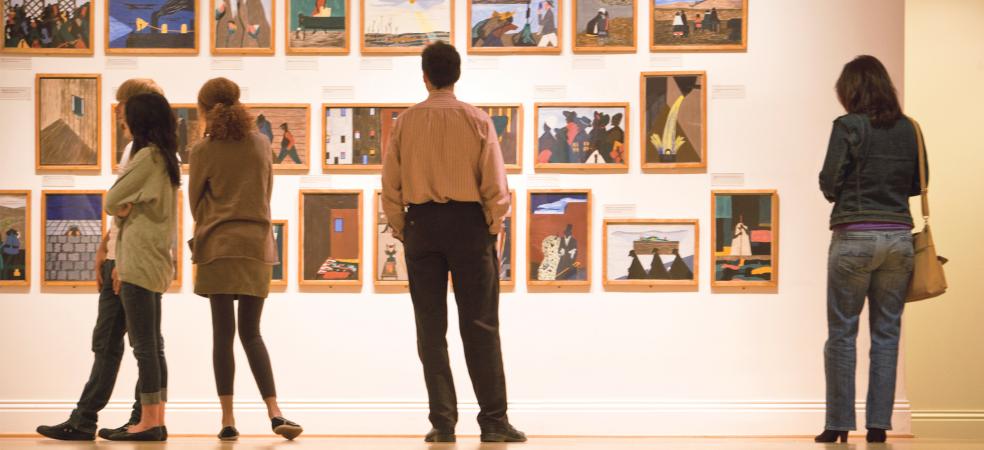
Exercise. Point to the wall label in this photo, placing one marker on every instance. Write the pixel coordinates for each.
(376, 64)
(15, 92)
(227, 64)
(338, 92)
(727, 179)
(620, 210)
(297, 63)
(549, 91)
(58, 181)
(122, 64)
(588, 63)
(16, 63)
(728, 91)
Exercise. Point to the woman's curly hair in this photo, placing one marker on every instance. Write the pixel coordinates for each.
(226, 118)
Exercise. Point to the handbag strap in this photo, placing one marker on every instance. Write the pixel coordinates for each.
(923, 189)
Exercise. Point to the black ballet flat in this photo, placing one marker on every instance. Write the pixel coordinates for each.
(435, 435)
(229, 434)
(829, 436)
(876, 435)
(289, 430)
(155, 434)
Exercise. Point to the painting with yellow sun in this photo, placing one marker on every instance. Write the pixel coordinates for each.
(405, 26)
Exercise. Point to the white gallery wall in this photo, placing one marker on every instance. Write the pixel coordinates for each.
(596, 363)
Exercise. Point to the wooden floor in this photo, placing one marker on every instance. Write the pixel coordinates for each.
(469, 443)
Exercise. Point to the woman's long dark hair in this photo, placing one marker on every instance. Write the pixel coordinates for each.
(864, 87)
(152, 122)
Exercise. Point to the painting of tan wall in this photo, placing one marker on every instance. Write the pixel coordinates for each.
(67, 122)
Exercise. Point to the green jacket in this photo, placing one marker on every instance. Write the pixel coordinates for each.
(143, 248)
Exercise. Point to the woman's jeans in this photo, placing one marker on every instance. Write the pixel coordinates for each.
(876, 265)
(143, 323)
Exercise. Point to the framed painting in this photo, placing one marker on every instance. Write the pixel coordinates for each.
(47, 27)
(558, 238)
(404, 27)
(279, 276)
(15, 232)
(508, 121)
(674, 120)
(317, 27)
(67, 122)
(72, 227)
(745, 236)
(506, 247)
(581, 137)
(514, 26)
(356, 135)
(151, 27)
(698, 26)
(389, 262)
(650, 253)
(288, 127)
(177, 245)
(605, 26)
(242, 27)
(330, 238)
(190, 130)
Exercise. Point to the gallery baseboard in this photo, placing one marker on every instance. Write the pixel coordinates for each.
(967, 424)
(581, 418)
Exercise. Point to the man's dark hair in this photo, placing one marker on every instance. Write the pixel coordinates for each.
(441, 64)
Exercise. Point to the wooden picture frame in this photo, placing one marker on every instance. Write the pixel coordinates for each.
(271, 34)
(740, 47)
(773, 257)
(380, 284)
(193, 135)
(583, 245)
(366, 49)
(305, 164)
(83, 256)
(88, 50)
(510, 284)
(649, 152)
(302, 266)
(327, 133)
(588, 48)
(24, 239)
(283, 255)
(145, 22)
(42, 132)
(179, 243)
(580, 108)
(667, 279)
(515, 118)
(516, 10)
(315, 23)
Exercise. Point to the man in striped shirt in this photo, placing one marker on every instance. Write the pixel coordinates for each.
(445, 196)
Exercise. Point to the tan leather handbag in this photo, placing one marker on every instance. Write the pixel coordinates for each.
(928, 279)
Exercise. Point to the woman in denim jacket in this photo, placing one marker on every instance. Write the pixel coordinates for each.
(870, 171)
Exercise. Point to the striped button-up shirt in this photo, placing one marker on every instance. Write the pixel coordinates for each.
(442, 150)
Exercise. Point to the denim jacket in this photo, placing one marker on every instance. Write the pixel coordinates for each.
(870, 173)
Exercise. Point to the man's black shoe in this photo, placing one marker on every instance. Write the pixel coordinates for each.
(503, 434)
(436, 435)
(65, 432)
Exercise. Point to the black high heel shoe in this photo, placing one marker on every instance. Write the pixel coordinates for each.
(831, 436)
(876, 435)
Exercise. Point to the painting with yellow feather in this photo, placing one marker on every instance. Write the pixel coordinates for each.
(405, 27)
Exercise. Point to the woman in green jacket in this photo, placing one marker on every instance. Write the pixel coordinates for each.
(143, 201)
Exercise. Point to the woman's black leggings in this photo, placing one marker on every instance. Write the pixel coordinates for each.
(224, 336)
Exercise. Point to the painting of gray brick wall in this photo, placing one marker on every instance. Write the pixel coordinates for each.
(70, 251)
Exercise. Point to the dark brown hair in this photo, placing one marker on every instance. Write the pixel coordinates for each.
(225, 117)
(864, 87)
(441, 63)
(151, 122)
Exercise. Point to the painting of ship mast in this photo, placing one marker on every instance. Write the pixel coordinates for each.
(317, 27)
(405, 26)
(674, 120)
(158, 27)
